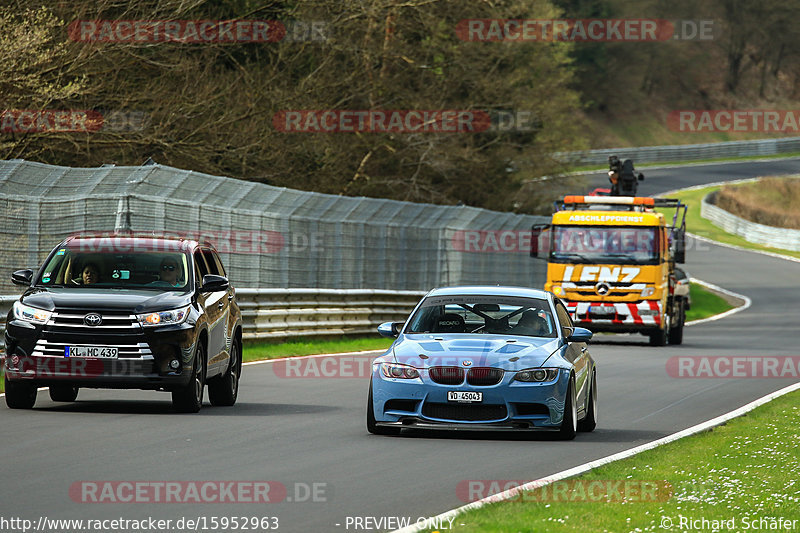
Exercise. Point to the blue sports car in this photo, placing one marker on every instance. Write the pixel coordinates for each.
(485, 358)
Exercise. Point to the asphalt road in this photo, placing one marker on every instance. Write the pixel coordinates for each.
(306, 431)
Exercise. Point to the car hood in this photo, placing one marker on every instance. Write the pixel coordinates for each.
(479, 351)
(133, 301)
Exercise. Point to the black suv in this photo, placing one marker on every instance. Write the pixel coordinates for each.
(121, 311)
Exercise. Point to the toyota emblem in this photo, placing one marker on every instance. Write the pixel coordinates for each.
(92, 319)
(602, 289)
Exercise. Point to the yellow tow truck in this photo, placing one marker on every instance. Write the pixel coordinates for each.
(611, 259)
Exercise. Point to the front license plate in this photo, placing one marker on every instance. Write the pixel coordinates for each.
(464, 396)
(94, 352)
(602, 310)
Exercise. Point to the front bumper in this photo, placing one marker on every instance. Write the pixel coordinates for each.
(620, 317)
(36, 354)
(509, 405)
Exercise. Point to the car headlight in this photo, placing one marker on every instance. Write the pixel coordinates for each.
(557, 290)
(164, 318)
(648, 291)
(393, 370)
(31, 314)
(537, 374)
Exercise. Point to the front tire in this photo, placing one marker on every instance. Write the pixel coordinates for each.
(589, 422)
(20, 395)
(189, 399)
(63, 393)
(224, 391)
(372, 425)
(676, 333)
(569, 424)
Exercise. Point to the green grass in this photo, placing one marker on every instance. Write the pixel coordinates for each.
(704, 228)
(256, 351)
(705, 303)
(748, 468)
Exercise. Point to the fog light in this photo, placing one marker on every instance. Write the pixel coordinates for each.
(174, 364)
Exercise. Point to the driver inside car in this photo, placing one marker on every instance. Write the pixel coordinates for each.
(531, 324)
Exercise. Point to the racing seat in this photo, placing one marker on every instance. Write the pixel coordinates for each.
(450, 323)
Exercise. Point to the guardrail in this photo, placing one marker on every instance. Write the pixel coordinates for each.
(786, 239)
(685, 152)
(277, 314)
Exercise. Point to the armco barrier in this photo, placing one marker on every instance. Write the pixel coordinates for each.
(786, 239)
(685, 152)
(286, 313)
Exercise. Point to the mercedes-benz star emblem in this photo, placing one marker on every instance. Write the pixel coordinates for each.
(602, 288)
(92, 319)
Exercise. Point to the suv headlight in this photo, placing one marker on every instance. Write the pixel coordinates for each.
(31, 314)
(537, 375)
(393, 370)
(164, 318)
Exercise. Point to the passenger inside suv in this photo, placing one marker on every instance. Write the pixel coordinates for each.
(169, 272)
(89, 275)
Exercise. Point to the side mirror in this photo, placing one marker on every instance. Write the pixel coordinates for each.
(390, 329)
(641, 176)
(680, 248)
(536, 232)
(580, 335)
(214, 283)
(22, 277)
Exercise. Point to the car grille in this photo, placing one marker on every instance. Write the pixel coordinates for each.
(447, 375)
(73, 323)
(465, 412)
(46, 348)
(484, 376)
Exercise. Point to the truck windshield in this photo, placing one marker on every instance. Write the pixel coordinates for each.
(604, 244)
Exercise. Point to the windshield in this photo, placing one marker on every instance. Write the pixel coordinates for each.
(604, 244)
(71, 267)
(528, 317)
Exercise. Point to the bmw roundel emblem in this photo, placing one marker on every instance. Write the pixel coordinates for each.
(466, 362)
(92, 319)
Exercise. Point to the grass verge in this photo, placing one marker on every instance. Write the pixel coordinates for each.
(256, 351)
(705, 303)
(704, 228)
(743, 471)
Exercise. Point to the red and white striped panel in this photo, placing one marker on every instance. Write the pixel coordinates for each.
(624, 312)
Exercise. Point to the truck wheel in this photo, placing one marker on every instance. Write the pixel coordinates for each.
(676, 333)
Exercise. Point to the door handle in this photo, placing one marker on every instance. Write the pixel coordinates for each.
(220, 306)
(583, 350)
(230, 297)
